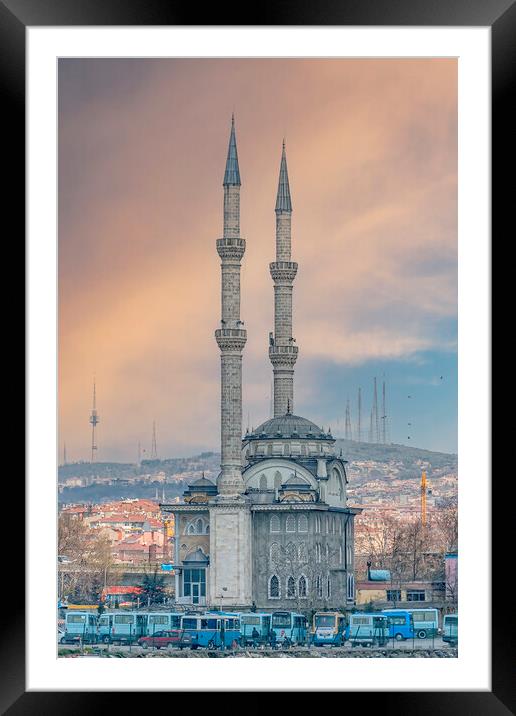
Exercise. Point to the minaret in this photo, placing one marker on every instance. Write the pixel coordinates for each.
(282, 351)
(231, 337)
(230, 571)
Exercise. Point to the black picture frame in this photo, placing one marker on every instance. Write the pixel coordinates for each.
(500, 16)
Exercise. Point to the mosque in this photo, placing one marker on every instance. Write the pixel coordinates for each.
(275, 531)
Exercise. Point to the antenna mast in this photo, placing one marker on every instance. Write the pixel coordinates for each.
(154, 448)
(359, 426)
(375, 411)
(384, 415)
(94, 419)
(347, 429)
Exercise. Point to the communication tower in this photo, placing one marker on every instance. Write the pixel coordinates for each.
(94, 419)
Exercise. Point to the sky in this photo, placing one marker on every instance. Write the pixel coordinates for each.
(372, 159)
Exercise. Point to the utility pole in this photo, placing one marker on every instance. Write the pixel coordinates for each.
(423, 498)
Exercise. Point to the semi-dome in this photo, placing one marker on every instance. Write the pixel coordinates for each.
(288, 426)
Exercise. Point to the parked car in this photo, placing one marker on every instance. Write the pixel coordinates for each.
(167, 639)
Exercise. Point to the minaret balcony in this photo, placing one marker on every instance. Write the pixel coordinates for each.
(230, 248)
(231, 339)
(283, 355)
(283, 271)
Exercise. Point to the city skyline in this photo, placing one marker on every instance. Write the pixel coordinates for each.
(372, 158)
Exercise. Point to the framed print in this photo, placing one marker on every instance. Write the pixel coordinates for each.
(258, 307)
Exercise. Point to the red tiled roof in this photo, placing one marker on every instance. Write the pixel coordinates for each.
(122, 590)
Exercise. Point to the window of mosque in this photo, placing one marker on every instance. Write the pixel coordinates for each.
(197, 527)
(319, 586)
(318, 552)
(291, 523)
(263, 482)
(274, 590)
(340, 554)
(328, 587)
(286, 449)
(302, 524)
(301, 552)
(291, 588)
(303, 449)
(274, 552)
(277, 480)
(302, 591)
(290, 551)
(317, 523)
(275, 524)
(269, 449)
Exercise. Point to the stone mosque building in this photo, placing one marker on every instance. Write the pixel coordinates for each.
(274, 532)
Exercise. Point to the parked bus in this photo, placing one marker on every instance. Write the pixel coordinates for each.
(328, 628)
(79, 627)
(367, 629)
(426, 621)
(451, 629)
(401, 624)
(211, 629)
(128, 627)
(289, 627)
(104, 626)
(252, 622)
(162, 621)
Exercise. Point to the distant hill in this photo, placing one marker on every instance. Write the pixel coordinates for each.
(408, 456)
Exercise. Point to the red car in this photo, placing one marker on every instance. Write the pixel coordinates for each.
(166, 640)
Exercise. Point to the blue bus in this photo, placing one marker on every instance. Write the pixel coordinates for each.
(127, 627)
(104, 625)
(328, 628)
(289, 627)
(451, 629)
(367, 629)
(79, 627)
(257, 623)
(163, 621)
(426, 621)
(401, 624)
(211, 629)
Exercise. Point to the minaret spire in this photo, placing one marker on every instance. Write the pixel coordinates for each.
(231, 337)
(282, 351)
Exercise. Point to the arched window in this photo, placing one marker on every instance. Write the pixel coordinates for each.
(317, 523)
(301, 552)
(322, 493)
(317, 552)
(303, 449)
(327, 524)
(291, 523)
(263, 482)
(199, 527)
(319, 586)
(275, 523)
(190, 529)
(328, 587)
(274, 590)
(301, 587)
(286, 449)
(302, 523)
(269, 449)
(291, 588)
(340, 554)
(277, 480)
(328, 553)
(274, 553)
(291, 552)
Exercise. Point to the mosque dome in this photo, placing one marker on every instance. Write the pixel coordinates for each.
(288, 426)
